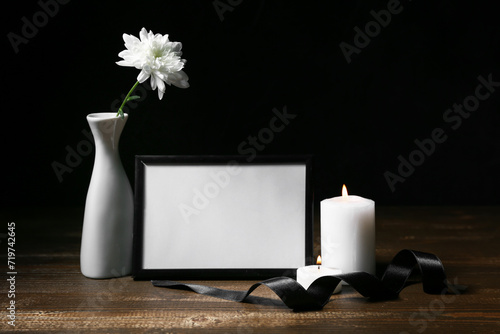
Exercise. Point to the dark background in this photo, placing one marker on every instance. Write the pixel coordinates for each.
(356, 119)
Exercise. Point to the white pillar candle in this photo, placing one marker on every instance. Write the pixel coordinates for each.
(348, 233)
(308, 274)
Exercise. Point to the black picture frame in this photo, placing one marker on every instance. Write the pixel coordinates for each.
(262, 207)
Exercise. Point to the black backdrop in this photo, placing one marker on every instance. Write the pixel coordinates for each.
(359, 118)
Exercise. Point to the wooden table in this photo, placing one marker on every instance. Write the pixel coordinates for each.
(52, 295)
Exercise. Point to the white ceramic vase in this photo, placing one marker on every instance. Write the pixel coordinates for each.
(106, 249)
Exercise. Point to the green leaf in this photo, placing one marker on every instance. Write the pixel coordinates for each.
(133, 97)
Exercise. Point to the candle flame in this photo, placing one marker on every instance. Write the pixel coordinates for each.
(344, 191)
(318, 260)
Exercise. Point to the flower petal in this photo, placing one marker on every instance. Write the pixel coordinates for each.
(176, 47)
(179, 79)
(143, 34)
(160, 94)
(161, 88)
(153, 82)
(143, 76)
(124, 63)
(130, 39)
(125, 53)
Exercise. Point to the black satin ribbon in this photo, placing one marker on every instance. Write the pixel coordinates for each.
(396, 278)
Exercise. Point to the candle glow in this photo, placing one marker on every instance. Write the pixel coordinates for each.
(344, 191)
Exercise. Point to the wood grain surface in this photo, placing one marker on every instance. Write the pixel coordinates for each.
(53, 296)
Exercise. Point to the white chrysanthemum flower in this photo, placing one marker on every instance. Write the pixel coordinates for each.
(156, 57)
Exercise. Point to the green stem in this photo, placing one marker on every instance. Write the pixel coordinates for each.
(120, 111)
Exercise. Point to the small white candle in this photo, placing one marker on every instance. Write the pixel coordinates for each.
(348, 233)
(308, 274)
